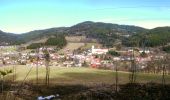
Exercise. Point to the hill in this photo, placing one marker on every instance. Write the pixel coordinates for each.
(155, 37)
(9, 38)
(105, 33)
(39, 34)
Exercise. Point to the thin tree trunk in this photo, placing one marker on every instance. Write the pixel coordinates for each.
(47, 60)
(37, 66)
(163, 75)
(13, 73)
(37, 73)
(2, 84)
(116, 78)
(47, 73)
(132, 76)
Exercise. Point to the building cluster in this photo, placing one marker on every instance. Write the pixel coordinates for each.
(93, 57)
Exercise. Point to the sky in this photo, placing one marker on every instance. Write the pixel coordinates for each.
(20, 16)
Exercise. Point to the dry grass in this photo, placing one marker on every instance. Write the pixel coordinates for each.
(71, 47)
(89, 45)
(76, 75)
(75, 38)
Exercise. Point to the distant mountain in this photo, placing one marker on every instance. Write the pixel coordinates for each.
(89, 26)
(105, 33)
(38, 34)
(8, 38)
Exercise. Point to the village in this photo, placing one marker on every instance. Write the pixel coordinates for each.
(93, 57)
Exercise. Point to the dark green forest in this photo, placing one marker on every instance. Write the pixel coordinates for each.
(34, 45)
(58, 40)
(155, 37)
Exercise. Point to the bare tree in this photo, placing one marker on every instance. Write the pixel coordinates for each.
(132, 76)
(116, 78)
(37, 66)
(47, 60)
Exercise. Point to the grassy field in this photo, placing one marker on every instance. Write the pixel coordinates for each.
(76, 75)
(89, 45)
(71, 47)
(75, 38)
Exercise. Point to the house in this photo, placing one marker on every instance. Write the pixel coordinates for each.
(96, 62)
(99, 51)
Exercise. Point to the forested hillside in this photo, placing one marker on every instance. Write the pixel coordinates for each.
(104, 33)
(155, 37)
(9, 38)
(58, 40)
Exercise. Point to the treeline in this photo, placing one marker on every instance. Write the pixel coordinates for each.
(156, 37)
(58, 40)
(35, 45)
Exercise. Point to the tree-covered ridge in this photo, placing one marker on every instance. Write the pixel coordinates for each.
(9, 38)
(155, 37)
(105, 33)
(38, 34)
(159, 36)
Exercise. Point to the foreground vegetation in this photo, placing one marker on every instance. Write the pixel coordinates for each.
(80, 83)
(149, 91)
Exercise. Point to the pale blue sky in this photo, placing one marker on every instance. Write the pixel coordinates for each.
(19, 16)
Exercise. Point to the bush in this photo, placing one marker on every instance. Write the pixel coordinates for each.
(113, 53)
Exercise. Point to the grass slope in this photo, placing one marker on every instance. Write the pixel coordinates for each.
(76, 75)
